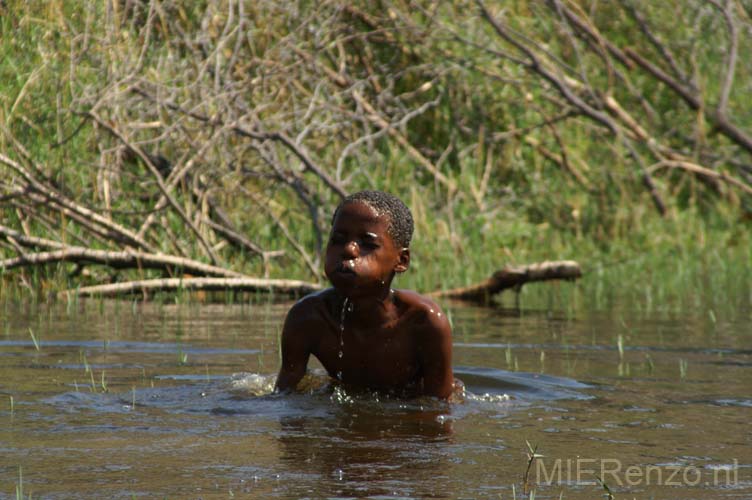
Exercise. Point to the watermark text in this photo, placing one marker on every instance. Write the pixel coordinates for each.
(614, 472)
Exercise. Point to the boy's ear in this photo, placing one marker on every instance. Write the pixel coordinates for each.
(404, 261)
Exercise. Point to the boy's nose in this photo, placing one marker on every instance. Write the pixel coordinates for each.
(351, 249)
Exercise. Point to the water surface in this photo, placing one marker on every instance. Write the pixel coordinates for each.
(120, 400)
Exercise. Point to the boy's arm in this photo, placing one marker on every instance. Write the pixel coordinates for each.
(436, 355)
(295, 347)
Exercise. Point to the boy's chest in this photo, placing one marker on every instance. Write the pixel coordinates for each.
(380, 360)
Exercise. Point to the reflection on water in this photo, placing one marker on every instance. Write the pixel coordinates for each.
(157, 400)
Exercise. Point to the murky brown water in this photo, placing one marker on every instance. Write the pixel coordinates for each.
(153, 401)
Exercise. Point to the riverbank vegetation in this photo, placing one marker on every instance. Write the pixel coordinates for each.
(156, 139)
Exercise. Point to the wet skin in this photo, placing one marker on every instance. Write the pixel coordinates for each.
(393, 340)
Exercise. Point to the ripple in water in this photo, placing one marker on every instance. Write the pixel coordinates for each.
(253, 394)
(491, 384)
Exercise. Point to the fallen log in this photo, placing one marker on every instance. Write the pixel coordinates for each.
(217, 278)
(126, 259)
(285, 287)
(29, 241)
(509, 277)
(514, 277)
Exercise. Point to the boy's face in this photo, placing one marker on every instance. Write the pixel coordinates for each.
(361, 257)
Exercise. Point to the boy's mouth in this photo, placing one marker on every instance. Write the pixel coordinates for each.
(346, 267)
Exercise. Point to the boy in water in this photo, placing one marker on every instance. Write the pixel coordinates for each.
(366, 334)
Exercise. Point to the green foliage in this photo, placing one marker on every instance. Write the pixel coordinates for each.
(535, 178)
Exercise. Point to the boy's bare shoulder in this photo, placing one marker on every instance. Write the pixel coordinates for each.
(424, 311)
(310, 310)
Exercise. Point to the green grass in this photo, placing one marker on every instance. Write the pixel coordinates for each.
(34, 339)
(20, 495)
(512, 204)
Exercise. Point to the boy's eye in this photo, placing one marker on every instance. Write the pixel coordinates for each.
(342, 239)
(337, 239)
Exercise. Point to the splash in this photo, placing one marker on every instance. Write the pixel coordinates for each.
(257, 384)
(253, 384)
(341, 396)
(488, 398)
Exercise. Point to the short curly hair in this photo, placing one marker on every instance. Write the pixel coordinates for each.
(400, 225)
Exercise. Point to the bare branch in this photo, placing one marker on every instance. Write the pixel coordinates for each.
(378, 120)
(242, 241)
(70, 207)
(729, 129)
(286, 232)
(297, 151)
(731, 55)
(561, 83)
(179, 173)
(117, 260)
(537, 65)
(158, 178)
(281, 137)
(285, 287)
(29, 241)
(697, 169)
(661, 47)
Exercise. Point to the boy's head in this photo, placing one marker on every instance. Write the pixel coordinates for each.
(399, 218)
(368, 244)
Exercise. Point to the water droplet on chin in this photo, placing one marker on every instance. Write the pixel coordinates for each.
(340, 354)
